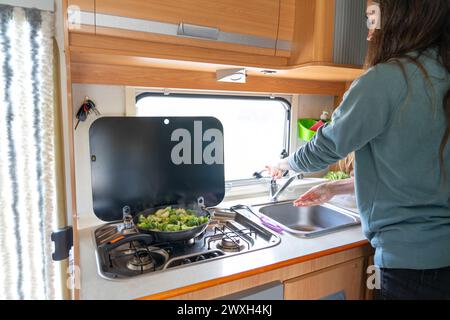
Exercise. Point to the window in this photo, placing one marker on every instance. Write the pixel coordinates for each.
(256, 129)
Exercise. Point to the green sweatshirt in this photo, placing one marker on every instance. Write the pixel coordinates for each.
(395, 129)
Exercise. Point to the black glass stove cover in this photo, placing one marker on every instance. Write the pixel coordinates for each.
(132, 163)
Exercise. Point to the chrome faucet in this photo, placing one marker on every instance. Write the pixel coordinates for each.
(276, 191)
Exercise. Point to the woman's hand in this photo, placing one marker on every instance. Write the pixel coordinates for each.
(325, 192)
(315, 196)
(275, 172)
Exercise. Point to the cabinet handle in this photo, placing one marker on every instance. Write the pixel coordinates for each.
(195, 31)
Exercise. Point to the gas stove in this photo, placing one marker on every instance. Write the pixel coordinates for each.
(123, 252)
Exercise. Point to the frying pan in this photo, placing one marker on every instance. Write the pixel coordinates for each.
(174, 236)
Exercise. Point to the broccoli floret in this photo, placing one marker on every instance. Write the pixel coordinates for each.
(203, 220)
(336, 175)
(192, 221)
(173, 219)
(172, 227)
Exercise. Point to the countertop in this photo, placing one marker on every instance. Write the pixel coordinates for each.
(93, 286)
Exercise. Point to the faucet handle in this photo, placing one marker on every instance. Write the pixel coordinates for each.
(273, 188)
(300, 176)
(258, 175)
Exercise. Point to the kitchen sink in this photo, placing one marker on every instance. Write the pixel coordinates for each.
(310, 221)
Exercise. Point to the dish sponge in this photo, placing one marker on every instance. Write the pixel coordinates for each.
(318, 125)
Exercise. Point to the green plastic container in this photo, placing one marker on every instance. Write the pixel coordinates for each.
(303, 129)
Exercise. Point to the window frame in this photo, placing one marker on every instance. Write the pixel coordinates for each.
(285, 103)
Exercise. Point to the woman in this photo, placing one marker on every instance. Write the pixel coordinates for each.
(396, 118)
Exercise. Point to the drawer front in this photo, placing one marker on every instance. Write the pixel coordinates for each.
(343, 281)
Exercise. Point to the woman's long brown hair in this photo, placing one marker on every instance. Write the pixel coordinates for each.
(414, 26)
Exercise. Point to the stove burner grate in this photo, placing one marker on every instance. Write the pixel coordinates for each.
(140, 258)
(230, 243)
(230, 240)
(141, 261)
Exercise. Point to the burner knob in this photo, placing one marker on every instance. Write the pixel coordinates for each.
(200, 258)
(214, 254)
(186, 261)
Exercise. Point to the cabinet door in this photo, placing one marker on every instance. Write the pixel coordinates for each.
(329, 31)
(249, 23)
(81, 16)
(344, 281)
(286, 28)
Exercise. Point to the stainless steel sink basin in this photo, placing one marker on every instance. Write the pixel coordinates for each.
(310, 221)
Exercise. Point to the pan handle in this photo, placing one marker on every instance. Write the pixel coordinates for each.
(201, 202)
(201, 206)
(134, 237)
(208, 212)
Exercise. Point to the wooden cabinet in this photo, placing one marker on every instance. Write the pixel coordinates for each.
(253, 17)
(234, 25)
(343, 281)
(81, 16)
(307, 32)
(285, 28)
(321, 40)
(329, 32)
(335, 274)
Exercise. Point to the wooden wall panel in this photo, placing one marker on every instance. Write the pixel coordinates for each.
(286, 23)
(338, 99)
(303, 39)
(71, 164)
(313, 32)
(324, 31)
(287, 20)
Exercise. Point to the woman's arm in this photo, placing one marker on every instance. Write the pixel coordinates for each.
(366, 111)
(277, 170)
(339, 187)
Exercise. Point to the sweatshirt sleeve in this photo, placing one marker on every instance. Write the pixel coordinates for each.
(363, 115)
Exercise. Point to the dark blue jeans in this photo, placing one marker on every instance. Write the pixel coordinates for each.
(403, 284)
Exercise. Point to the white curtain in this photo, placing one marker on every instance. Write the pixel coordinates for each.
(27, 157)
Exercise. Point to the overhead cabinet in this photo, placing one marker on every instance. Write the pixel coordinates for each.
(248, 26)
(251, 17)
(296, 39)
(329, 32)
